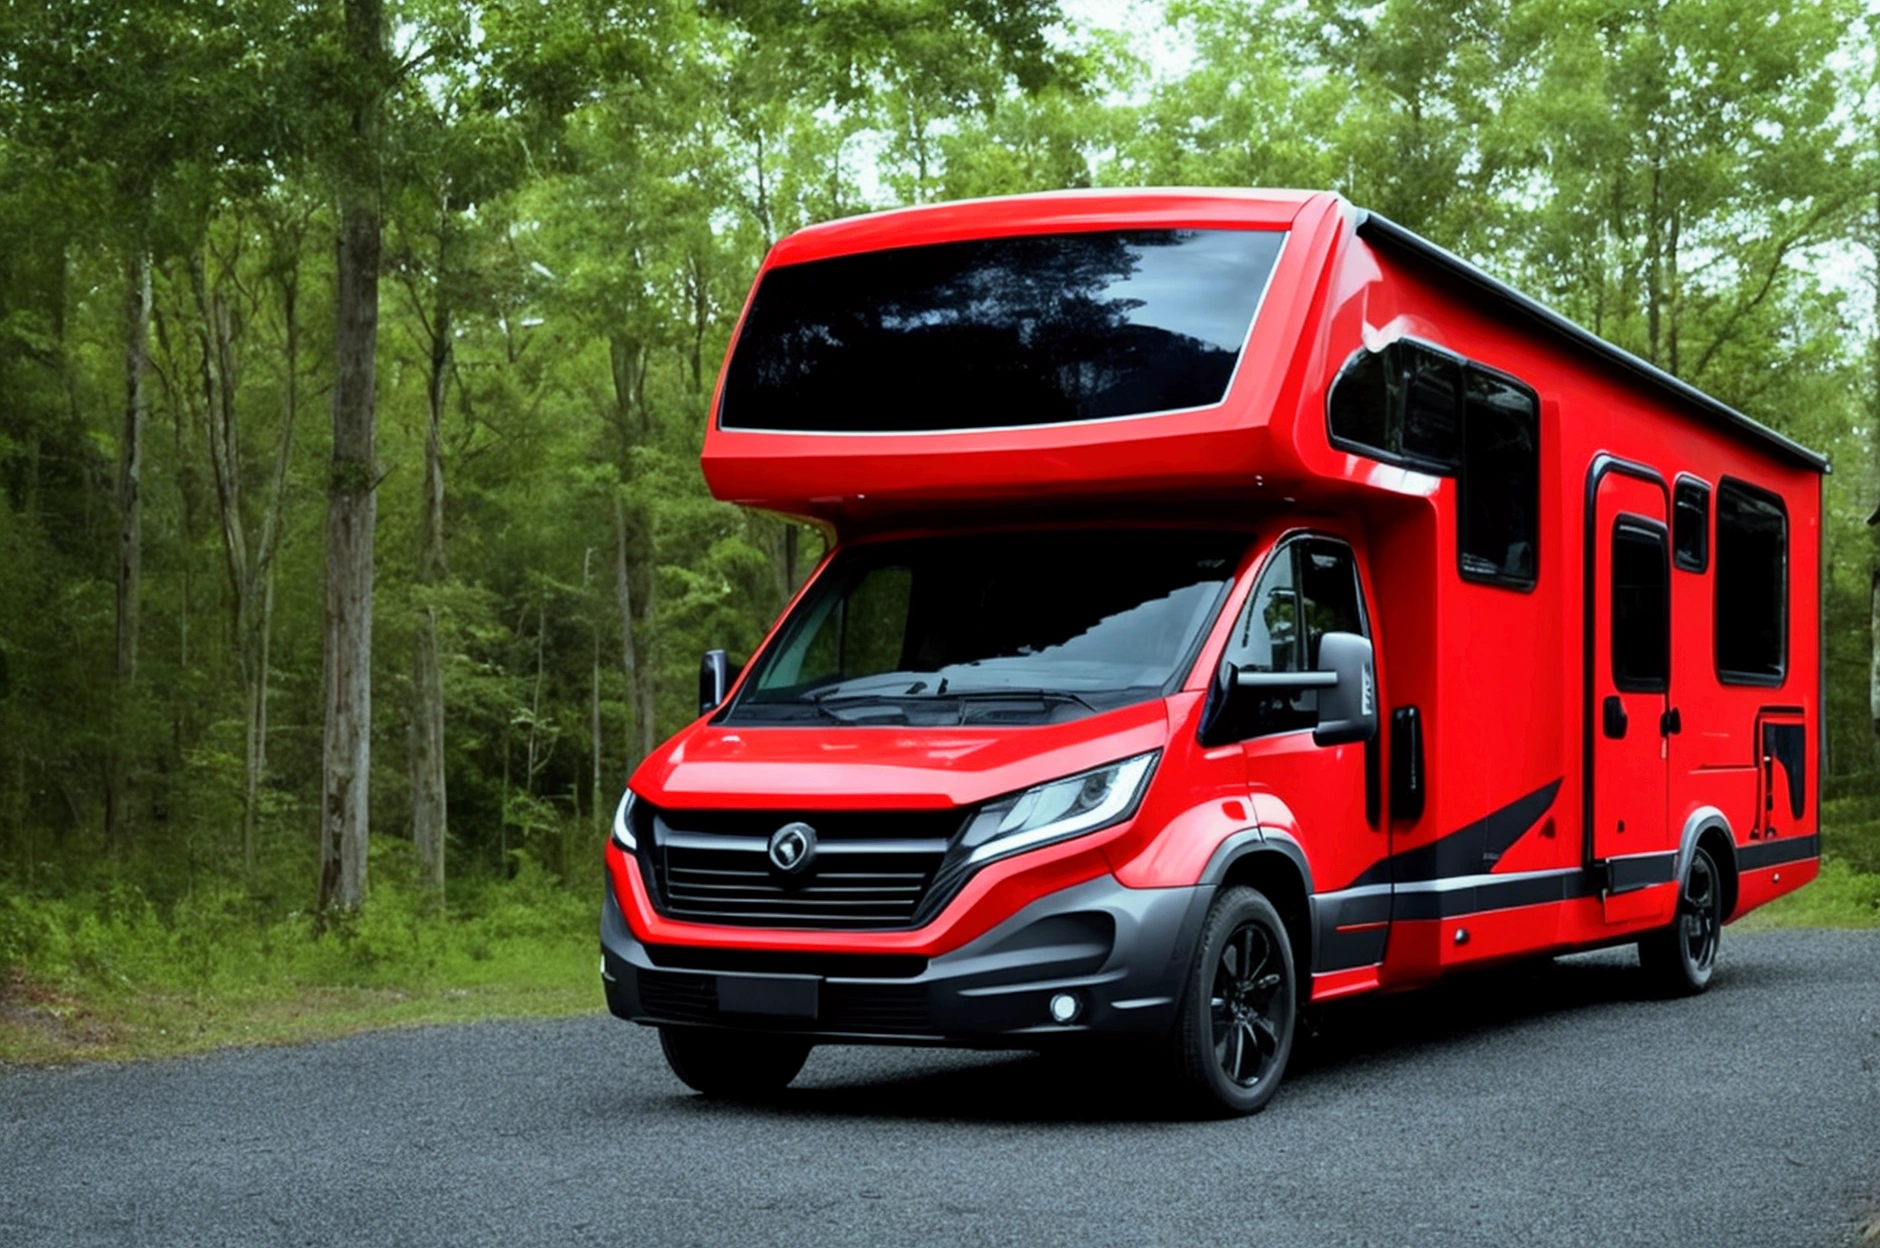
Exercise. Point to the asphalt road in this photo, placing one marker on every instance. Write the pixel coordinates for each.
(1546, 1105)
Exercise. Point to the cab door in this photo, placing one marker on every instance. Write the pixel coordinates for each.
(1309, 587)
(1632, 710)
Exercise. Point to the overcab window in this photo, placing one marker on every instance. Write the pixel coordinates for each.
(999, 332)
(1752, 585)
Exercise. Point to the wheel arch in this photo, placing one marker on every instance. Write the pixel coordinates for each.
(1707, 826)
(1276, 866)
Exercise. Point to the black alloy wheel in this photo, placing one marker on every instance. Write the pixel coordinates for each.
(733, 1065)
(1679, 959)
(1236, 1025)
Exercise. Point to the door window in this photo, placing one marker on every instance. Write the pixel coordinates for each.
(1641, 615)
(1309, 588)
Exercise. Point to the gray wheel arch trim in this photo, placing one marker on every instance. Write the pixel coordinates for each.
(1700, 821)
(1252, 841)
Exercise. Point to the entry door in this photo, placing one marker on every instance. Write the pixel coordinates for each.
(1631, 664)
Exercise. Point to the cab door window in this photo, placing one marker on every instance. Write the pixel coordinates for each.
(1309, 588)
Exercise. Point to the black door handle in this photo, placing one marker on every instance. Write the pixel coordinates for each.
(1670, 723)
(1613, 717)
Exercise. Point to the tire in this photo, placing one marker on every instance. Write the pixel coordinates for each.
(1678, 959)
(1234, 1031)
(733, 1065)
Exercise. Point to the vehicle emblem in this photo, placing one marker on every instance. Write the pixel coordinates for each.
(791, 848)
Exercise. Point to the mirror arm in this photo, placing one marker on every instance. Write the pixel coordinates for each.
(1246, 679)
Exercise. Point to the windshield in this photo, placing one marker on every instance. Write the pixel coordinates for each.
(1008, 628)
(998, 333)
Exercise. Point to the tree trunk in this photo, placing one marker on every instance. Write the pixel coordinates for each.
(352, 492)
(597, 809)
(131, 461)
(429, 827)
(130, 526)
(639, 741)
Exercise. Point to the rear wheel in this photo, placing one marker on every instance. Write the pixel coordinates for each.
(1678, 959)
(733, 1065)
(1235, 1030)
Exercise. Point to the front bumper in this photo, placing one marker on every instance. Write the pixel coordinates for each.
(1123, 952)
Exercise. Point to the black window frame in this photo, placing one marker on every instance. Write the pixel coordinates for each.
(1730, 676)
(1687, 486)
(1396, 390)
(1640, 530)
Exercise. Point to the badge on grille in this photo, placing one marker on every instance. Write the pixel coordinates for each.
(791, 848)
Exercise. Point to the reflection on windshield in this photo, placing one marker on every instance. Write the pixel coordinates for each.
(1027, 627)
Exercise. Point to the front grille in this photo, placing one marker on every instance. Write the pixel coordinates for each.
(871, 870)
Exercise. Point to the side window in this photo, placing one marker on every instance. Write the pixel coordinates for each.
(1499, 485)
(1641, 609)
(1752, 585)
(859, 633)
(1690, 525)
(1309, 588)
(1399, 404)
(1413, 405)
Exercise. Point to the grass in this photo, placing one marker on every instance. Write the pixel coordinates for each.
(106, 975)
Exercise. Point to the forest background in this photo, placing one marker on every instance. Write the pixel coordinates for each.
(442, 286)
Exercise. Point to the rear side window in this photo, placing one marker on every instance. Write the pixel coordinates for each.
(1752, 585)
(1499, 485)
(999, 333)
(1690, 524)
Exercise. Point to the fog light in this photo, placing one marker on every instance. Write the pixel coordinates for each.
(1065, 1007)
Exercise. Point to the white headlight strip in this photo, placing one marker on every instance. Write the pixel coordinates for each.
(1123, 790)
(623, 830)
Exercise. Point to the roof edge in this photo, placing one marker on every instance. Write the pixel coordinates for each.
(1374, 228)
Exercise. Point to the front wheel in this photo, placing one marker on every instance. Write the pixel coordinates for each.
(1678, 959)
(1235, 1029)
(732, 1065)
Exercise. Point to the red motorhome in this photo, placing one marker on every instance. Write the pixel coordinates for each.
(1235, 602)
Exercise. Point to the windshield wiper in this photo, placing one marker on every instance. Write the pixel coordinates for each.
(831, 697)
(1020, 695)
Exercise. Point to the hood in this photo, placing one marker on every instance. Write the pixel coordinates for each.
(829, 767)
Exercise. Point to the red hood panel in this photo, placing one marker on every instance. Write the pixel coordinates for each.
(834, 768)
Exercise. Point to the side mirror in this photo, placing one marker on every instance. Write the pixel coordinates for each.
(716, 675)
(1348, 709)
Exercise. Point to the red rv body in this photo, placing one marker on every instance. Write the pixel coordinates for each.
(1235, 603)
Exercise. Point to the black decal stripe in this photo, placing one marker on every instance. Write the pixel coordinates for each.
(1470, 850)
(1335, 950)
(1774, 853)
(1534, 890)
(1640, 871)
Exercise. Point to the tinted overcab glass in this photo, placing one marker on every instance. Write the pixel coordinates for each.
(1001, 332)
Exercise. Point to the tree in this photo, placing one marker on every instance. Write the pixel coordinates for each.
(352, 489)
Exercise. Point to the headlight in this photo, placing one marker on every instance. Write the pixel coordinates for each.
(1058, 810)
(623, 824)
